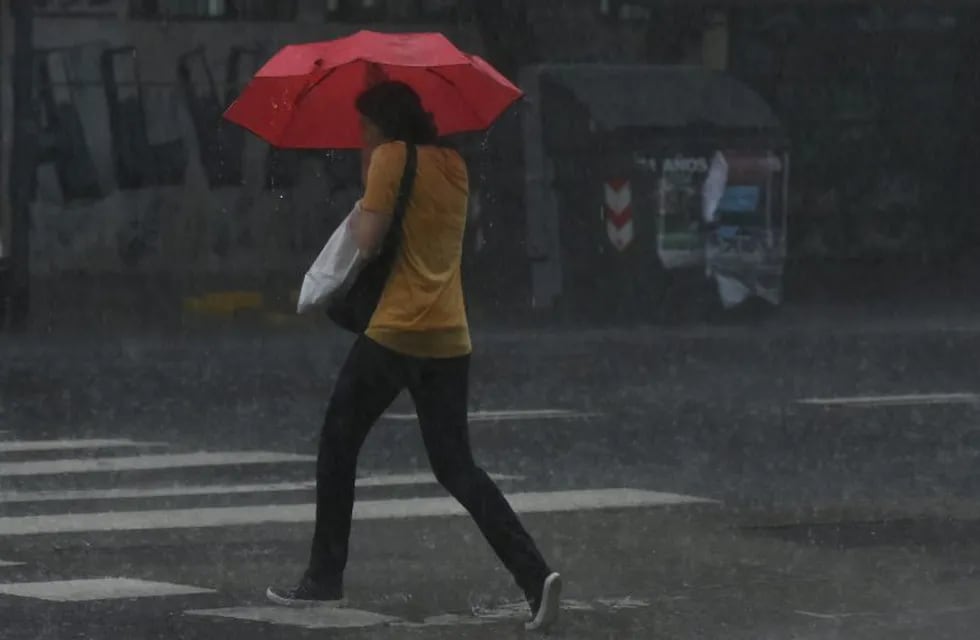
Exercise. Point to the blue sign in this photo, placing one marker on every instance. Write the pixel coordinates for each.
(740, 199)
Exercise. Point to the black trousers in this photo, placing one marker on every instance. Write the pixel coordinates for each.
(369, 381)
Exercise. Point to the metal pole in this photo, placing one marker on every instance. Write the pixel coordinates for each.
(22, 158)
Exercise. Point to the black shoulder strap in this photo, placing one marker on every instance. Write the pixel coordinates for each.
(406, 184)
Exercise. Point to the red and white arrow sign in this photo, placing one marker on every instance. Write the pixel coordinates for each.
(618, 212)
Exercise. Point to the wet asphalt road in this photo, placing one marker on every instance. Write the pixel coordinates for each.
(832, 521)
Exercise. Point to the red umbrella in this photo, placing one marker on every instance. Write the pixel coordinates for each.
(304, 96)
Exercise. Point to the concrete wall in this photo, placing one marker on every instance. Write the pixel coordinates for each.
(139, 175)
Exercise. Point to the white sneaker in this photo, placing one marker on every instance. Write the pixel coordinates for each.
(307, 594)
(548, 604)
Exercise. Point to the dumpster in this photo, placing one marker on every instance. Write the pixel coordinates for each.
(648, 186)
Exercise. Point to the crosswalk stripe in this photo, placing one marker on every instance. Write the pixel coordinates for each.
(534, 502)
(96, 589)
(895, 400)
(515, 415)
(19, 446)
(7, 563)
(325, 617)
(392, 480)
(304, 618)
(147, 462)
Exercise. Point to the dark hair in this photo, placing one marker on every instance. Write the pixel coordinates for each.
(397, 110)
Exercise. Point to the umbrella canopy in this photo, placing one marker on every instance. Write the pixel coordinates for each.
(303, 98)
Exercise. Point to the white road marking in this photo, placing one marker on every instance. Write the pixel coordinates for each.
(838, 617)
(446, 620)
(96, 589)
(415, 478)
(823, 616)
(542, 502)
(142, 463)
(18, 446)
(393, 480)
(5, 563)
(342, 618)
(510, 611)
(505, 611)
(895, 400)
(517, 415)
(306, 618)
(628, 602)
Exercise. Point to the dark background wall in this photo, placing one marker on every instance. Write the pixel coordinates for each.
(136, 175)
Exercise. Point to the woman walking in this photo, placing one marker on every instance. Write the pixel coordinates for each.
(418, 339)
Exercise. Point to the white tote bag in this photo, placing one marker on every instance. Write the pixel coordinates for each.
(338, 263)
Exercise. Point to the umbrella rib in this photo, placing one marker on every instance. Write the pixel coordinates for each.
(457, 89)
(310, 87)
(299, 98)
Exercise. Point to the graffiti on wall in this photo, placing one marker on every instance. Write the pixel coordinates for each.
(139, 161)
(220, 144)
(124, 157)
(62, 140)
(140, 158)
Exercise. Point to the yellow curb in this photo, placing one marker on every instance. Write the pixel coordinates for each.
(224, 302)
(279, 319)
